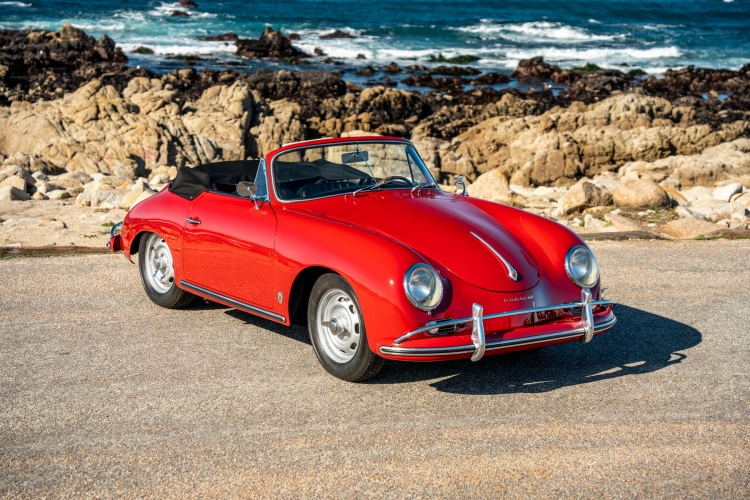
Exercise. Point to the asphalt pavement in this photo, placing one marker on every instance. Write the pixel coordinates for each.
(103, 394)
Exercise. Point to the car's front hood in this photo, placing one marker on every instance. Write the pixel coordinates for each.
(440, 228)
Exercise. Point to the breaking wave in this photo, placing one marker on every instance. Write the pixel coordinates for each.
(535, 32)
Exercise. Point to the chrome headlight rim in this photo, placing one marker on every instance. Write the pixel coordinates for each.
(437, 292)
(569, 271)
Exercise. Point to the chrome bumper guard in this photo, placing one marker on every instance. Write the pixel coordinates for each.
(112, 233)
(480, 345)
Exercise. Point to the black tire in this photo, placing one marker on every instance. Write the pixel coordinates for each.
(174, 297)
(365, 364)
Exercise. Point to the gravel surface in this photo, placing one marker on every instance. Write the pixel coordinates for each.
(103, 394)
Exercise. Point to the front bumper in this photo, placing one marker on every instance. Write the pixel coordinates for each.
(480, 346)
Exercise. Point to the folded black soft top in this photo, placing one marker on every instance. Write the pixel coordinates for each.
(222, 176)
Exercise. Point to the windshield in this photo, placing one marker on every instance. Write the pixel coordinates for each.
(333, 169)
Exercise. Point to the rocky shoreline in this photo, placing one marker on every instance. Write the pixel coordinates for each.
(614, 151)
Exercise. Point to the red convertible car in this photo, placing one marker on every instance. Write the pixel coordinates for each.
(354, 239)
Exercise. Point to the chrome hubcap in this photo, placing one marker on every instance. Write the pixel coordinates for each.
(339, 326)
(158, 261)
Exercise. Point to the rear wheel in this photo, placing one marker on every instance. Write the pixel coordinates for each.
(157, 273)
(337, 331)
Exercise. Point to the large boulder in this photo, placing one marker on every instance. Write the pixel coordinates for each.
(493, 186)
(582, 195)
(13, 193)
(640, 193)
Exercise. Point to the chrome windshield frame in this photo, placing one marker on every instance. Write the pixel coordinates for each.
(302, 145)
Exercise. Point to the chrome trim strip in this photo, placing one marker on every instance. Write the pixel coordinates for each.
(501, 315)
(234, 303)
(114, 228)
(512, 273)
(497, 345)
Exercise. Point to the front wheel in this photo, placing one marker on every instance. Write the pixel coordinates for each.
(337, 331)
(157, 273)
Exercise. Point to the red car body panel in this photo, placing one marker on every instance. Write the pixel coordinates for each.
(252, 255)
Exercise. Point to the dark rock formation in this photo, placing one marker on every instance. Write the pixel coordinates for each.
(46, 64)
(490, 79)
(224, 37)
(598, 85)
(179, 13)
(270, 44)
(337, 34)
(188, 4)
(392, 68)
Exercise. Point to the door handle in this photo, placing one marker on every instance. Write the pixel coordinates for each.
(190, 220)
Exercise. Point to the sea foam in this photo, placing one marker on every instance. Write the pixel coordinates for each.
(535, 32)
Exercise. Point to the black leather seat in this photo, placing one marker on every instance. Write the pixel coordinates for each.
(313, 190)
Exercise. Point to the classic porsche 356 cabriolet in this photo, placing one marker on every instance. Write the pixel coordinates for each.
(354, 239)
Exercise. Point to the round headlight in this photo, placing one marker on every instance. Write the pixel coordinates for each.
(423, 287)
(582, 267)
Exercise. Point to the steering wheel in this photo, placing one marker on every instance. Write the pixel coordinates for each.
(386, 180)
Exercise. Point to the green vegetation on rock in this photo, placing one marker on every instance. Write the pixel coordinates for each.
(589, 68)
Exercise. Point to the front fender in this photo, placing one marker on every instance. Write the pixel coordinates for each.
(373, 264)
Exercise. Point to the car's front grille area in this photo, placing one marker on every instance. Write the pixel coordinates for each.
(445, 330)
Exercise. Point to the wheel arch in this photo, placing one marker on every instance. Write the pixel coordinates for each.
(299, 294)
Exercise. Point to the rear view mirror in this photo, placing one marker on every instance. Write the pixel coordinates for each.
(246, 189)
(355, 157)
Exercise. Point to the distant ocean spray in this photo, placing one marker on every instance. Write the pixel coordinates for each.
(652, 35)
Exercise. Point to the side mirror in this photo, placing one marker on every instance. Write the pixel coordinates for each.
(247, 189)
(460, 184)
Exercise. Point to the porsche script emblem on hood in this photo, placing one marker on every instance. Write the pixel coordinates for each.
(518, 299)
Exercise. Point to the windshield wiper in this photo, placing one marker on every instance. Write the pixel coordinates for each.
(381, 183)
(428, 184)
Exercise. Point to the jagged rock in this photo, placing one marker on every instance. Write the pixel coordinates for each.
(725, 193)
(13, 193)
(490, 79)
(57, 194)
(270, 44)
(534, 68)
(584, 140)
(494, 186)
(14, 181)
(188, 4)
(584, 194)
(337, 34)
(640, 193)
(224, 37)
(392, 68)
(96, 130)
(727, 161)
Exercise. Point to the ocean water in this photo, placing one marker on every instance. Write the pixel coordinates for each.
(652, 35)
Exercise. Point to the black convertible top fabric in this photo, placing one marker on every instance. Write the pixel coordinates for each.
(292, 171)
(190, 182)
